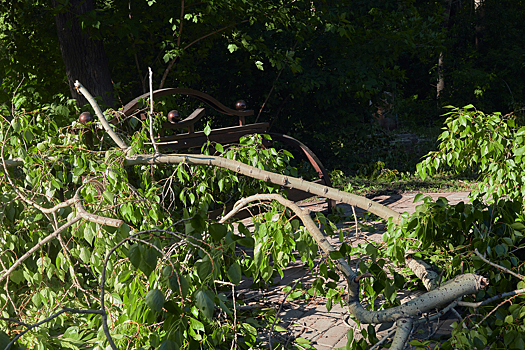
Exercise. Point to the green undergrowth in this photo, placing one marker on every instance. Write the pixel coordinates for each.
(404, 183)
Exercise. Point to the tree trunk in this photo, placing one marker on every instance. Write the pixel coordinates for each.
(440, 87)
(480, 14)
(84, 58)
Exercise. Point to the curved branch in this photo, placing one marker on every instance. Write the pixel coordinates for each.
(92, 217)
(310, 225)
(81, 89)
(55, 315)
(402, 315)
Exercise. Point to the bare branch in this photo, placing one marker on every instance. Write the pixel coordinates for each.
(92, 217)
(155, 147)
(38, 245)
(490, 300)
(504, 269)
(424, 272)
(100, 115)
(267, 176)
(404, 328)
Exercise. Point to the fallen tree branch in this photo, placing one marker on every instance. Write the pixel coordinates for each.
(423, 271)
(259, 174)
(267, 176)
(310, 225)
(404, 314)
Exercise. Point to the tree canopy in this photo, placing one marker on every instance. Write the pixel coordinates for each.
(340, 56)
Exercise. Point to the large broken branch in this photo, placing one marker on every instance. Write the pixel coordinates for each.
(267, 176)
(404, 315)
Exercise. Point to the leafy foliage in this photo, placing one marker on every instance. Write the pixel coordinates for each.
(491, 145)
(167, 269)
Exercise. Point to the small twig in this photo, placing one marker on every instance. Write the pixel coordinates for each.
(267, 97)
(492, 311)
(356, 223)
(504, 269)
(151, 111)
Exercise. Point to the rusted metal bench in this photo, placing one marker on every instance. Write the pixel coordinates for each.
(193, 138)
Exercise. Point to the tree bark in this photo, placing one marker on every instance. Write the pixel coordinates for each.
(440, 87)
(84, 58)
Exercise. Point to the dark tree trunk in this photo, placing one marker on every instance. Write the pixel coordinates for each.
(440, 87)
(84, 58)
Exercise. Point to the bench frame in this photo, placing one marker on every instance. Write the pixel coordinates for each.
(193, 138)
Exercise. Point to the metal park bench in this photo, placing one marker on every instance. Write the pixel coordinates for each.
(189, 138)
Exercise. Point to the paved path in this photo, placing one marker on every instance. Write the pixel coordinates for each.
(327, 330)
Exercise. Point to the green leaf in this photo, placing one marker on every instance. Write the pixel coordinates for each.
(207, 129)
(135, 255)
(173, 283)
(108, 196)
(196, 325)
(15, 123)
(17, 276)
(148, 261)
(232, 48)
(204, 268)
(336, 255)
(124, 276)
(4, 340)
(218, 231)
(168, 344)
(155, 300)
(518, 226)
(85, 255)
(301, 340)
(234, 273)
(204, 303)
(279, 329)
(89, 234)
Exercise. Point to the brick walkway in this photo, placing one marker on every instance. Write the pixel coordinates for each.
(327, 330)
